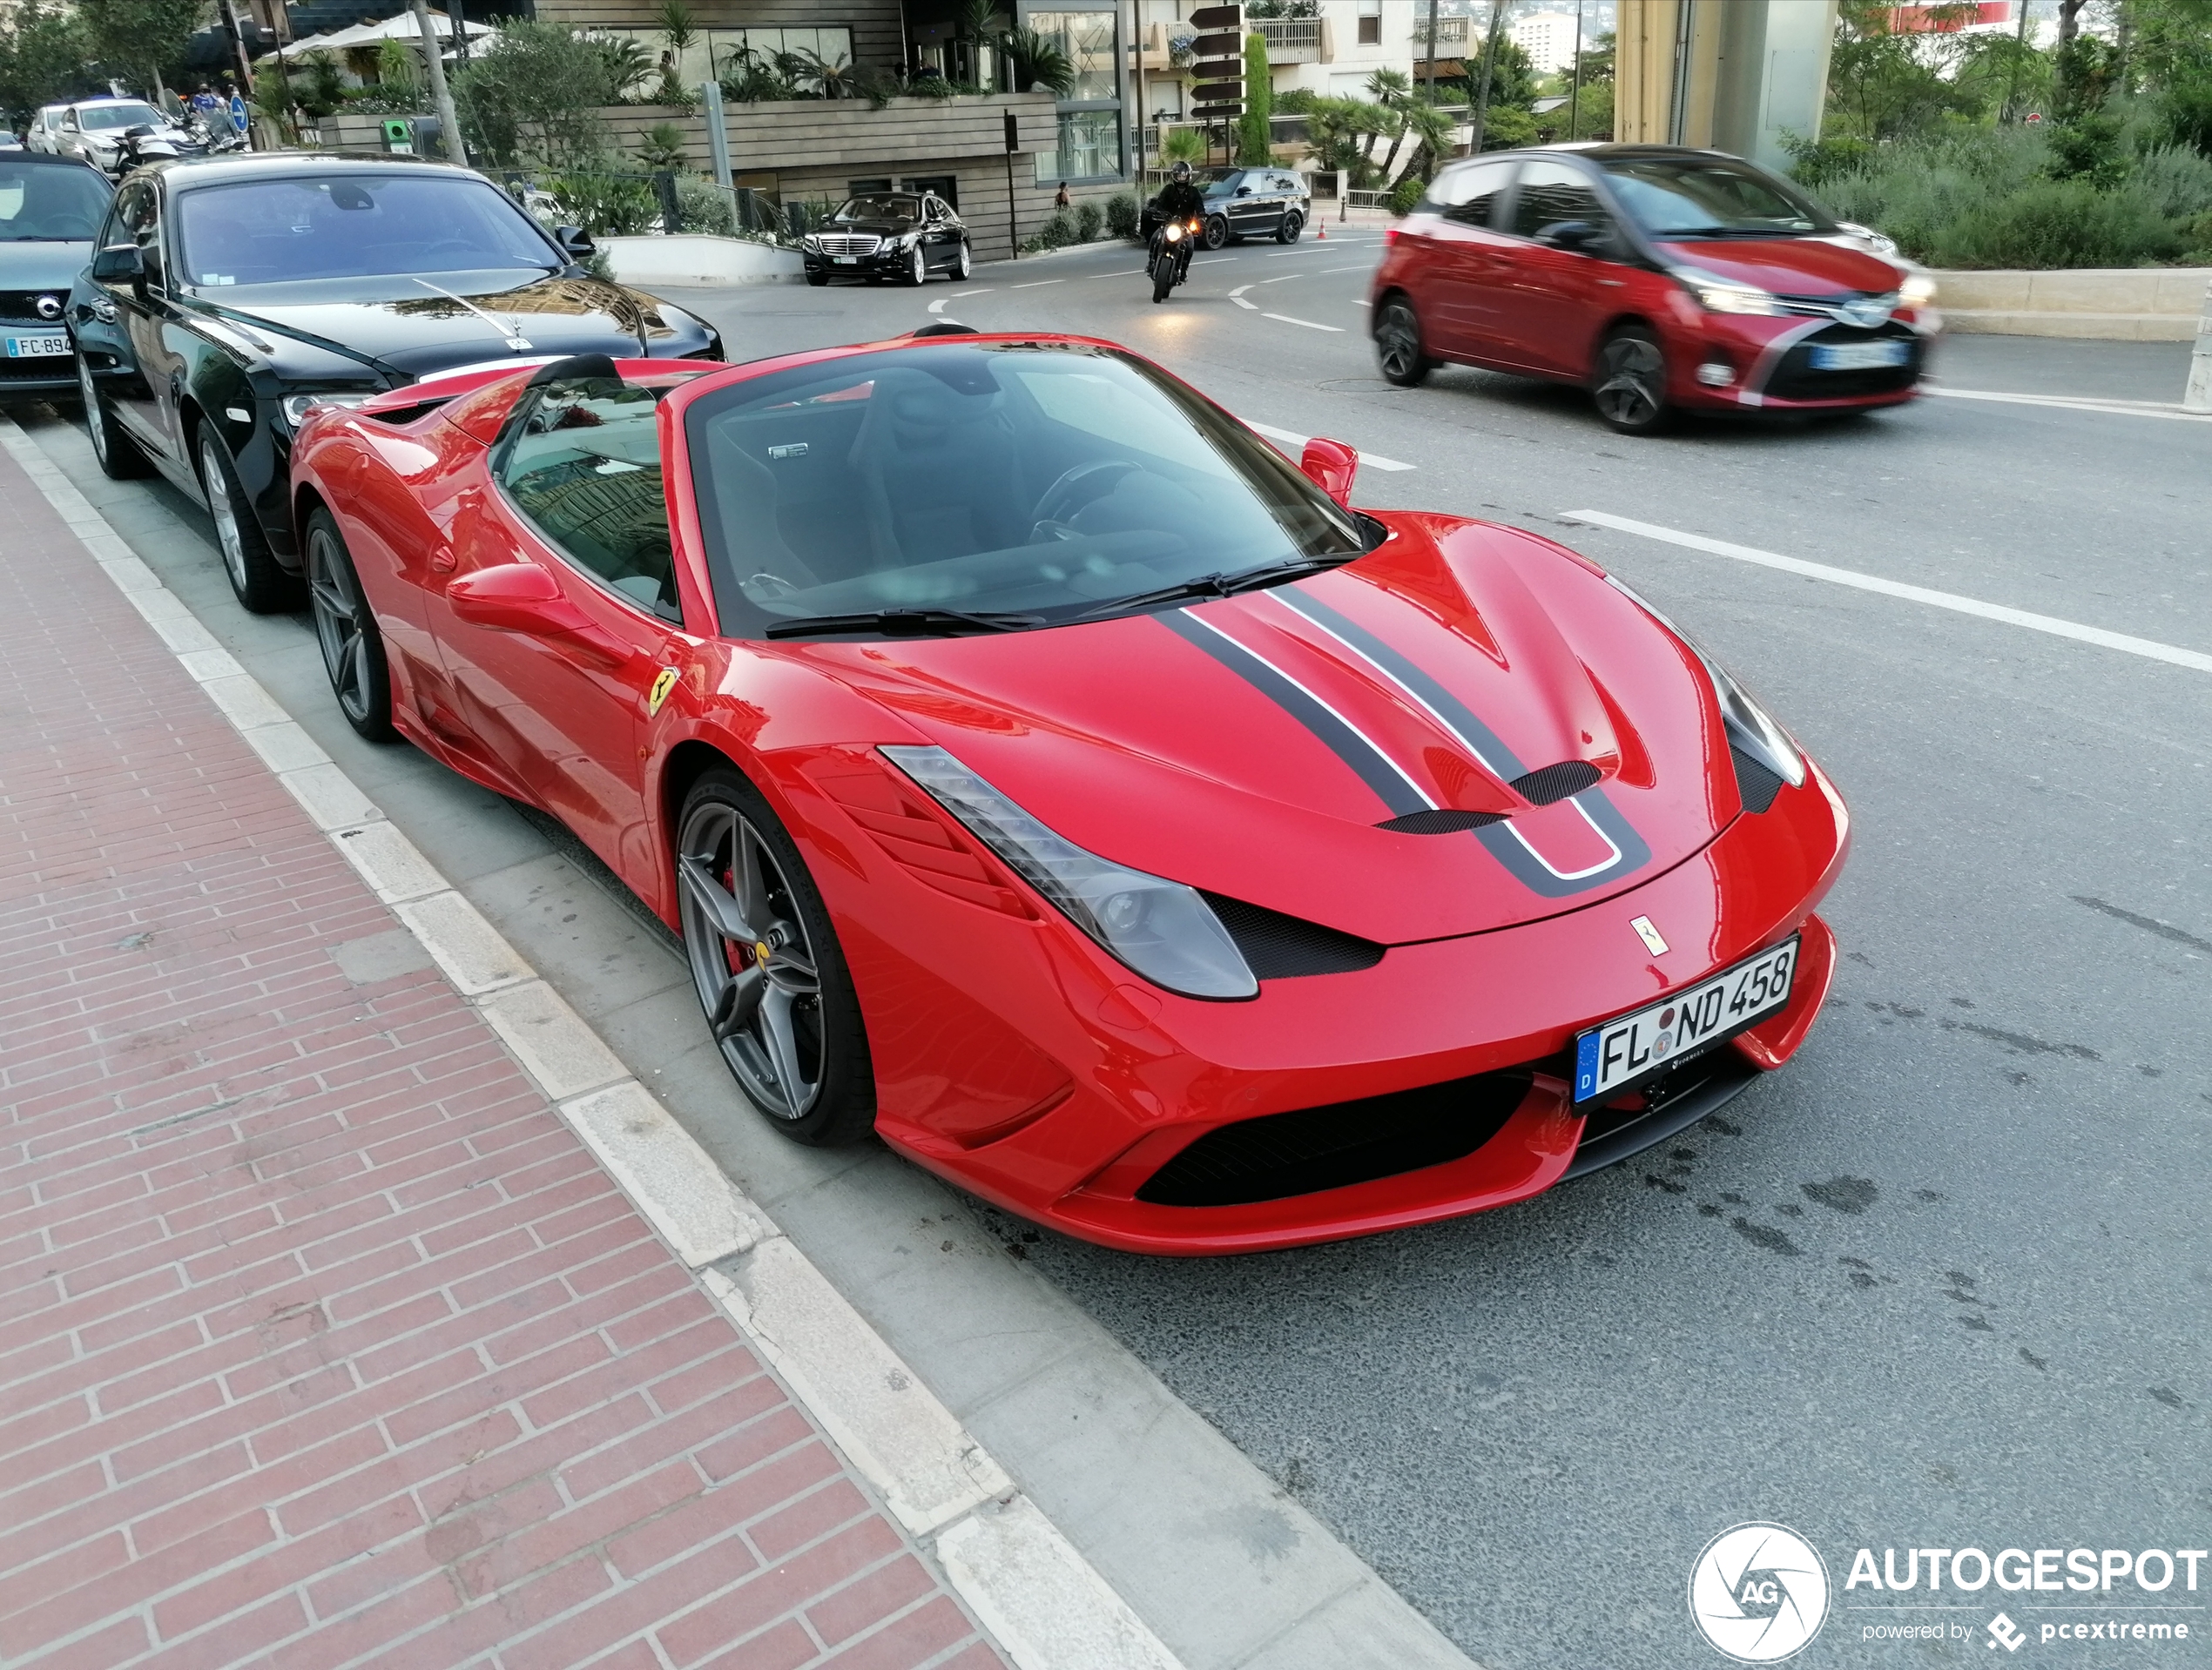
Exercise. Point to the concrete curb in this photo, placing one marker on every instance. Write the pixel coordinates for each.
(2134, 304)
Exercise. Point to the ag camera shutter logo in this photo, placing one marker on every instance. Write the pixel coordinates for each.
(1758, 1593)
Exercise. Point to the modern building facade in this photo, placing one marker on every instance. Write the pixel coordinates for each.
(1738, 75)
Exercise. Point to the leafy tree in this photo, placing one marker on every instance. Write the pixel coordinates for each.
(1433, 133)
(663, 147)
(1255, 137)
(43, 56)
(532, 97)
(681, 31)
(1507, 125)
(141, 37)
(976, 26)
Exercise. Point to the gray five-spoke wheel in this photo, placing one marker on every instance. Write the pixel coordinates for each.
(214, 475)
(1398, 342)
(1632, 383)
(757, 976)
(338, 613)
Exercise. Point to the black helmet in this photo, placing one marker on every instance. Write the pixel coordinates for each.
(1180, 172)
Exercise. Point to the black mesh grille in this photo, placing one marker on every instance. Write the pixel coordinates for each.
(1755, 782)
(1441, 823)
(24, 305)
(1794, 378)
(1551, 783)
(1301, 1153)
(1277, 947)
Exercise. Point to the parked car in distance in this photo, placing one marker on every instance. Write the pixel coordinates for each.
(902, 235)
(94, 129)
(229, 294)
(1245, 202)
(1049, 776)
(45, 126)
(50, 210)
(1660, 278)
(10, 140)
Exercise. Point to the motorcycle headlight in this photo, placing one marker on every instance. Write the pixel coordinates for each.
(1163, 930)
(1174, 232)
(295, 406)
(1750, 726)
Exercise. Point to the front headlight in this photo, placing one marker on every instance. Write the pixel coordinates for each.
(1717, 296)
(1750, 728)
(295, 406)
(1918, 290)
(1163, 930)
(811, 242)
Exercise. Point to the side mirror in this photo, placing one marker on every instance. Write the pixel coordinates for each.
(1568, 234)
(1329, 465)
(119, 264)
(1244, 190)
(575, 242)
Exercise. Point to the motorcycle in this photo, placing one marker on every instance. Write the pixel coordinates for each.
(1171, 262)
(145, 143)
(214, 136)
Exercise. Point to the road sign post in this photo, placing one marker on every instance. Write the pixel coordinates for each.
(2198, 395)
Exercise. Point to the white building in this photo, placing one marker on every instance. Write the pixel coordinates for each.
(1332, 53)
(1548, 38)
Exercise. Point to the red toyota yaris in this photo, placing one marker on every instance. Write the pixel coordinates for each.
(1659, 278)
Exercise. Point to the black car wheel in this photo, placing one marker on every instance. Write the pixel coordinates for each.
(765, 963)
(1217, 233)
(917, 267)
(1631, 387)
(1398, 344)
(120, 457)
(353, 648)
(1293, 224)
(262, 585)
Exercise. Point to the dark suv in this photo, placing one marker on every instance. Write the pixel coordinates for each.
(1246, 203)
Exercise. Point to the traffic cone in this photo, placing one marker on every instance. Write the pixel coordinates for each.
(1322, 236)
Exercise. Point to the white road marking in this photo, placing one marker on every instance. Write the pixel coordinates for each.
(1285, 277)
(938, 306)
(1371, 460)
(2075, 403)
(1238, 296)
(1308, 323)
(1212, 260)
(1118, 272)
(2148, 649)
(1325, 270)
(1034, 283)
(1361, 301)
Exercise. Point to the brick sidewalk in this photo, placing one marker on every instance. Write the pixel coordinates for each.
(323, 1341)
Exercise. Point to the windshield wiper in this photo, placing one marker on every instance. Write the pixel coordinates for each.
(905, 624)
(1227, 585)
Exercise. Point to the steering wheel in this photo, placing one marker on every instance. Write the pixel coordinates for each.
(1077, 488)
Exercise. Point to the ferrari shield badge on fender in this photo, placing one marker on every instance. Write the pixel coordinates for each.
(658, 694)
(1645, 932)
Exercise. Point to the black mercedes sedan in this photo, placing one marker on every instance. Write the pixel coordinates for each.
(229, 294)
(900, 235)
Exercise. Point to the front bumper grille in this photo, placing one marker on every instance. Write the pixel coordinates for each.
(21, 307)
(849, 244)
(1795, 377)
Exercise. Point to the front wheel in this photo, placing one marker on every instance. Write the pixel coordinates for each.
(1631, 388)
(1217, 233)
(353, 648)
(963, 264)
(1398, 344)
(255, 576)
(917, 268)
(1293, 224)
(119, 455)
(817, 279)
(765, 963)
(1162, 274)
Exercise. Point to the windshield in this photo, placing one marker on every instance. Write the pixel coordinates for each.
(1704, 197)
(1050, 478)
(40, 203)
(880, 208)
(119, 116)
(1216, 176)
(287, 230)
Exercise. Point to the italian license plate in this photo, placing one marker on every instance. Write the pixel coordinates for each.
(1859, 356)
(846, 261)
(1631, 1048)
(25, 347)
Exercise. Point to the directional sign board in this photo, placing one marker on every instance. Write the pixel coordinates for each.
(1231, 45)
(1209, 18)
(1214, 92)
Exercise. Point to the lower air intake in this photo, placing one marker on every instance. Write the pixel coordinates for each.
(1756, 784)
(1278, 1155)
(1277, 947)
(1552, 783)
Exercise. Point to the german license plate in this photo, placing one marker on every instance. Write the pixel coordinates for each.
(846, 261)
(1631, 1048)
(1859, 356)
(25, 347)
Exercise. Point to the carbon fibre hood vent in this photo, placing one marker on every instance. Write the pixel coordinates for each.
(1277, 947)
(1549, 783)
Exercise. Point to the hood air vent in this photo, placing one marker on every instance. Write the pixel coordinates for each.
(1441, 823)
(1550, 782)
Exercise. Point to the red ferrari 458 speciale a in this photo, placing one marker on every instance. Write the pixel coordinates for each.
(1048, 776)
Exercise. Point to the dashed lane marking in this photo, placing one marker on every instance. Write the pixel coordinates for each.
(1308, 323)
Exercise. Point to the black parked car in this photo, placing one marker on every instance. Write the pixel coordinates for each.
(50, 208)
(1245, 202)
(231, 294)
(891, 235)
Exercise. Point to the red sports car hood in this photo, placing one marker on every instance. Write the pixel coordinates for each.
(1790, 266)
(1257, 746)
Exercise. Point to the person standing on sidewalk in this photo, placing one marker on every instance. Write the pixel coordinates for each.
(1060, 200)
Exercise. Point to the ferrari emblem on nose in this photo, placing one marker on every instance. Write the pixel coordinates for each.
(1651, 935)
(658, 694)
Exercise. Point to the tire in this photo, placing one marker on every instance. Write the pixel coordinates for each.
(964, 267)
(1293, 224)
(120, 457)
(782, 1002)
(817, 279)
(1162, 274)
(1217, 231)
(262, 585)
(917, 271)
(353, 648)
(1631, 387)
(1398, 344)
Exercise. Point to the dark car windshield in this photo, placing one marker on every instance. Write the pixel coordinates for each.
(880, 208)
(1046, 479)
(1205, 177)
(44, 203)
(119, 116)
(352, 226)
(1709, 197)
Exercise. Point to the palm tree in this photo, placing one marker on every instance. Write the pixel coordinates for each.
(1390, 88)
(1434, 131)
(1039, 62)
(976, 24)
(680, 30)
(836, 80)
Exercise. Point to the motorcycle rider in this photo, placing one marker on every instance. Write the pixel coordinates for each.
(1180, 200)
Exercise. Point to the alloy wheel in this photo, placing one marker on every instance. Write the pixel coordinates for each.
(1632, 385)
(967, 260)
(337, 610)
(1398, 342)
(95, 418)
(215, 476)
(754, 967)
(918, 268)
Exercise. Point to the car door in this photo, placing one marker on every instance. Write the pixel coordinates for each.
(1251, 206)
(128, 322)
(559, 618)
(1465, 262)
(939, 236)
(1555, 298)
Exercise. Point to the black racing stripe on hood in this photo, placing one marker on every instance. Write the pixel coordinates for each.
(1373, 766)
(1492, 750)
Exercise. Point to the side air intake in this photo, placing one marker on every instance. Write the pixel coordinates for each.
(1277, 947)
(1756, 783)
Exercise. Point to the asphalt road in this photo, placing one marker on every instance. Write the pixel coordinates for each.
(1943, 1282)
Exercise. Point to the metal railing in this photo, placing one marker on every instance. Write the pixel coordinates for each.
(1450, 31)
(1291, 40)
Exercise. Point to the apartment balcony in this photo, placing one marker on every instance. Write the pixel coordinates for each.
(1296, 40)
(1450, 31)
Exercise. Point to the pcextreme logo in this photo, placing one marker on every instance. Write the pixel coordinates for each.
(1758, 1593)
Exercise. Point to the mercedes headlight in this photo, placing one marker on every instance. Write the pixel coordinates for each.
(1163, 930)
(811, 242)
(1750, 728)
(908, 240)
(295, 406)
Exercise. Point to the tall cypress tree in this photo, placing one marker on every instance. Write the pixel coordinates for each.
(1259, 104)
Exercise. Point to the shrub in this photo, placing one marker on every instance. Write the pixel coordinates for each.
(1057, 232)
(604, 204)
(706, 206)
(532, 97)
(1122, 217)
(2061, 223)
(663, 146)
(1091, 220)
(1405, 194)
(2177, 179)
